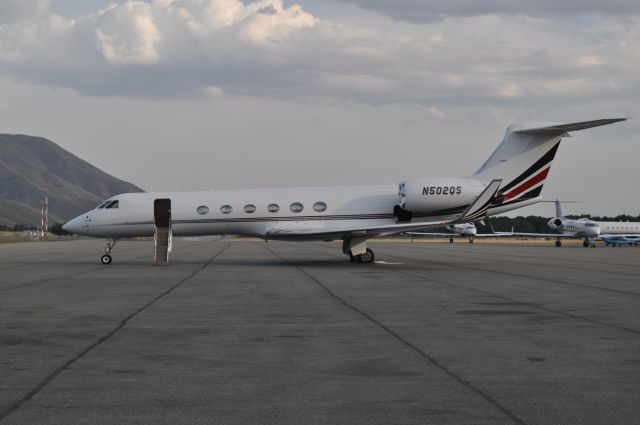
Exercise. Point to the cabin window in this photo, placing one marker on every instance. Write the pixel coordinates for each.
(274, 208)
(113, 204)
(296, 207)
(319, 207)
(249, 208)
(203, 209)
(226, 209)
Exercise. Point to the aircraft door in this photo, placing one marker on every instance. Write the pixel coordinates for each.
(162, 212)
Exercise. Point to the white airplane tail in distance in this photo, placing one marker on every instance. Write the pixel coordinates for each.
(512, 177)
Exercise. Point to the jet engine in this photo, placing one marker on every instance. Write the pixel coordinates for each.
(555, 223)
(435, 195)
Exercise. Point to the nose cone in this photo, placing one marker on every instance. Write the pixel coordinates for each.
(74, 226)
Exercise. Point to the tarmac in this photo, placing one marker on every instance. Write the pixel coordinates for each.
(235, 332)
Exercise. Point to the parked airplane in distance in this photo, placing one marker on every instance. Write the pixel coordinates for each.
(463, 230)
(512, 177)
(584, 228)
(621, 240)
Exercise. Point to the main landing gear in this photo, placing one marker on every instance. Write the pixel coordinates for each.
(106, 257)
(366, 258)
(364, 255)
(558, 243)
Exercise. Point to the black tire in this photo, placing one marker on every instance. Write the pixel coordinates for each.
(106, 259)
(372, 256)
(366, 258)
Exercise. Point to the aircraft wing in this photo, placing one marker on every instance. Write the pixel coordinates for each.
(341, 231)
(433, 234)
(544, 235)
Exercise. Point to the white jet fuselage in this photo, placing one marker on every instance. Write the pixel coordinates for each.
(256, 212)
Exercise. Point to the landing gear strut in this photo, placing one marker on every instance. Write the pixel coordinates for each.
(558, 243)
(470, 240)
(451, 240)
(351, 245)
(589, 243)
(106, 258)
(366, 258)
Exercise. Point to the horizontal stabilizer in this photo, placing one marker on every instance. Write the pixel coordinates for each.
(565, 128)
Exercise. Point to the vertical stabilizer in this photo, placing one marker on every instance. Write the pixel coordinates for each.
(524, 158)
(558, 209)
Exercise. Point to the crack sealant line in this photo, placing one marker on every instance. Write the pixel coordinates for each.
(18, 404)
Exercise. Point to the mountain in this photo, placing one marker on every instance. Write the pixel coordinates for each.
(30, 165)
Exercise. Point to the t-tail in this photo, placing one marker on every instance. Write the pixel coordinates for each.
(524, 158)
(558, 209)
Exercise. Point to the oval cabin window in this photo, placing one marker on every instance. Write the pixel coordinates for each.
(249, 208)
(319, 207)
(273, 208)
(202, 210)
(296, 207)
(226, 209)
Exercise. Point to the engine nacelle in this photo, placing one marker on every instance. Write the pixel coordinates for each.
(437, 193)
(555, 223)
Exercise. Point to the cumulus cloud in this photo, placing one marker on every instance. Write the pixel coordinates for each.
(213, 48)
(126, 33)
(432, 10)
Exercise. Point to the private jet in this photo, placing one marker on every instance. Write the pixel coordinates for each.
(584, 228)
(512, 177)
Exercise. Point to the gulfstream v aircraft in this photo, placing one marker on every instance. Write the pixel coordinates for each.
(585, 228)
(512, 177)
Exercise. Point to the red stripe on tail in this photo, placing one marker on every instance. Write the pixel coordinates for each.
(528, 184)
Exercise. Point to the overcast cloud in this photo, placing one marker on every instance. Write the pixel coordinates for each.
(426, 11)
(424, 80)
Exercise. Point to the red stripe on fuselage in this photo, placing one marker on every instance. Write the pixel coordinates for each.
(528, 184)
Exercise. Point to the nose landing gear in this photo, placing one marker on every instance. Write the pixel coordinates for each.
(106, 257)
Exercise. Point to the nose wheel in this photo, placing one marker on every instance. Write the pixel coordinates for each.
(106, 257)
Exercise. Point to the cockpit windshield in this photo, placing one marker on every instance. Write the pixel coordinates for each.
(108, 204)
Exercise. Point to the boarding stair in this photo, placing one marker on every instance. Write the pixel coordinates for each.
(162, 239)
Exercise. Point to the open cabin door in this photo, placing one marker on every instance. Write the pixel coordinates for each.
(162, 234)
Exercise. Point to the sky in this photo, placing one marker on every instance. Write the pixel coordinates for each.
(225, 94)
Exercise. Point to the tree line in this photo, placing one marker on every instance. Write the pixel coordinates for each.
(537, 224)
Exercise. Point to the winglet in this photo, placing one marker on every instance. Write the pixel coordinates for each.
(482, 203)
